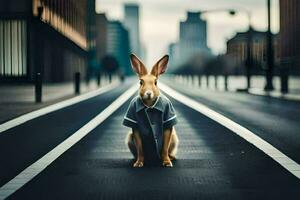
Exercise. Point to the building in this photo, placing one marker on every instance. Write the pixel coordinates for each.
(289, 35)
(237, 51)
(118, 45)
(91, 30)
(173, 51)
(101, 36)
(112, 40)
(131, 23)
(42, 36)
(192, 41)
(192, 36)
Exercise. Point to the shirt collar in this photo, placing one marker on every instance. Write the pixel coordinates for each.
(157, 105)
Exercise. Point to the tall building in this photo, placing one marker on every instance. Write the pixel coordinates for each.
(289, 35)
(118, 45)
(101, 36)
(237, 51)
(92, 62)
(192, 36)
(131, 23)
(173, 51)
(42, 36)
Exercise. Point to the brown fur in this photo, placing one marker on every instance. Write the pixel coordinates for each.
(149, 92)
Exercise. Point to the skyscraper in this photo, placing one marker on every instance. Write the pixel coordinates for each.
(289, 35)
(173, 51)
(118, 45)
(192, 36)
(101, 35)
(131, 23)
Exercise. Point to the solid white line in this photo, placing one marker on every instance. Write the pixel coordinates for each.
(289, 164)
(33, 170)
(43, 111)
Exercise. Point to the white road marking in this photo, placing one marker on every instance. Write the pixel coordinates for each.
(33, 170)
(286, 162)
(43, 111)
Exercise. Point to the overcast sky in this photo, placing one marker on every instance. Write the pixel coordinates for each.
(159, 20)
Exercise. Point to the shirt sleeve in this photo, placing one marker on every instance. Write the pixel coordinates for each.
(169, 118)
(130, 117)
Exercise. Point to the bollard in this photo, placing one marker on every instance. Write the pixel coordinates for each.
(199, 80)
(38, 88)
(109, 78)
(216, 82)
(226, 82)
(207, 81)
(122, 77)
(193, 80)
(99, 80)
(284, 81)
(77, 83)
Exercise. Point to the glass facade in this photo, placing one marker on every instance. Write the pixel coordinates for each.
(68, 17)
(13, 48)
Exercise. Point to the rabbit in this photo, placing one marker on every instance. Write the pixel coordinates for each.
(151, 110)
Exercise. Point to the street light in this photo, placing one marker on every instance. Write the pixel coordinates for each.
(249, 47)
(230, 12)
(39, 49)
(270, 53)
(249, 38)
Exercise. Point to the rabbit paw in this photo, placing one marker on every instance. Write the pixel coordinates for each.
(138, 163)
(167, 163)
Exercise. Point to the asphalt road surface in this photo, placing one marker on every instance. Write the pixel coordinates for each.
(213, 162)
(275, 120)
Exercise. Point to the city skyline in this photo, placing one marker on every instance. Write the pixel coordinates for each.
(132, 24)
(221, 26)
(78, 113)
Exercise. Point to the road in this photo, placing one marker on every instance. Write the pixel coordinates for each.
(275, 120)
(213, 162)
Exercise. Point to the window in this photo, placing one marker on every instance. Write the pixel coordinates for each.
(13, 48)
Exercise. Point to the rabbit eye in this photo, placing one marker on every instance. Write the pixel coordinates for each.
(141, 82)
(155, 82)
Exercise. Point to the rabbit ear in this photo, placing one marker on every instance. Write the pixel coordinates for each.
(161, 66)
(137, 65)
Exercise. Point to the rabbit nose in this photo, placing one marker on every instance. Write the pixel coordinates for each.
(148, 94)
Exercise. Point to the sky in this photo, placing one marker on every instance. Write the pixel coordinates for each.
(159, 20)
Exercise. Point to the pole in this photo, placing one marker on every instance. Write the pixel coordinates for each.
(226, 82)
(207, 80)
(270, 53)
(39, 56)
(77, 83)
(284, 80)
(249, 56)
(99, 79)
(38, 88)
(199, 80)
(216, 82)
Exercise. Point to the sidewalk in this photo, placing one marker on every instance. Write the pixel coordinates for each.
(19, 99)
(293, 95)
(239, 82)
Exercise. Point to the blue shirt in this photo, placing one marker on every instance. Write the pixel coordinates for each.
(151, 121)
